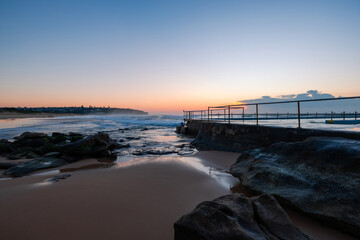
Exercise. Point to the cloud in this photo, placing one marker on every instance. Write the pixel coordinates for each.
(326, 106)
(311, 94)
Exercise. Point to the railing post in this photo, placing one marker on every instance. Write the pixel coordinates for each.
(257, 114)
(208, 114)
(229, 112)
(298, 105)
(355, 115)
(332, 114)
(344, 115)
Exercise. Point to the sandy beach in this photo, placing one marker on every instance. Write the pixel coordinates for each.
(138, 199)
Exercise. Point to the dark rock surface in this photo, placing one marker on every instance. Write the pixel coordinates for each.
(98, 145)
(155, 151)
(59, 138)
(6, 165)
(5, 146)
(320, 176)
(132, 138)
(21, 169)
(53, 151)
(58, 178)
(30, 135)
(73, 137)
(237, 217)
(118, 145)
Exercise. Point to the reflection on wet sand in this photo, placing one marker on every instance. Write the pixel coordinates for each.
(87, 167)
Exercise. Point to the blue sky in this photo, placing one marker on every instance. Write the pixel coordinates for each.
(163, 56)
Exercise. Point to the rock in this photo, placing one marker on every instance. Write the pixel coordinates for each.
(73, 137)
(155, 151)
(58, 138)
(117, 146)
(21, 169)
(97, 145)
(124, 129)
(46, 148)
(138, 152)
(32, 142)
(181, 129)
(133, 138)
(31, 155)
(5, 146)
(237, 217)
(58, 178)
(31, 145)
(6, 165)
(30, 135)
(13, 157)
(144, 129)
(52, 154)
(319, 176)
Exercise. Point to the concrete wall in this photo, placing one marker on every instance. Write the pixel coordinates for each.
(239, 137)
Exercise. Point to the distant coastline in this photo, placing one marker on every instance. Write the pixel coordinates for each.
(24, 112)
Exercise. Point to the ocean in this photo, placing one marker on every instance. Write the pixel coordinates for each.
(146, 135)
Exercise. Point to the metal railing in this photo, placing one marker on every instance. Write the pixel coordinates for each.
(224, 112)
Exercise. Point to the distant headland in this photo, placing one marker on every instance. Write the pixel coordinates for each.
(10, 112)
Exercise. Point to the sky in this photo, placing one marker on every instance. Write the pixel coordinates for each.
(166, 56)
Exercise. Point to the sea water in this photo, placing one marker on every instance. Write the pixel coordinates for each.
(150, 133)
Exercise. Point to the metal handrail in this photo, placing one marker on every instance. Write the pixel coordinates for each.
(242, 106)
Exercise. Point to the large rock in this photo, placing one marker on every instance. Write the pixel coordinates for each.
(320, 176)
(33, 142)
(30, 135)
(5, 146)
(237, 217)
(22, 169)
(98, 145)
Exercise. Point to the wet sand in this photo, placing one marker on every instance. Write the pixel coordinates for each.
(139, 199)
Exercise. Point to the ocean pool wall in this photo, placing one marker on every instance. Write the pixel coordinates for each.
(240, 137)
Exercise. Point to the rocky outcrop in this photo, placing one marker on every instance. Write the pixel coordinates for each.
(53, 151)
(237, 217)
(98, 145)
(319, 176)
(155, 151)
(22, 169)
